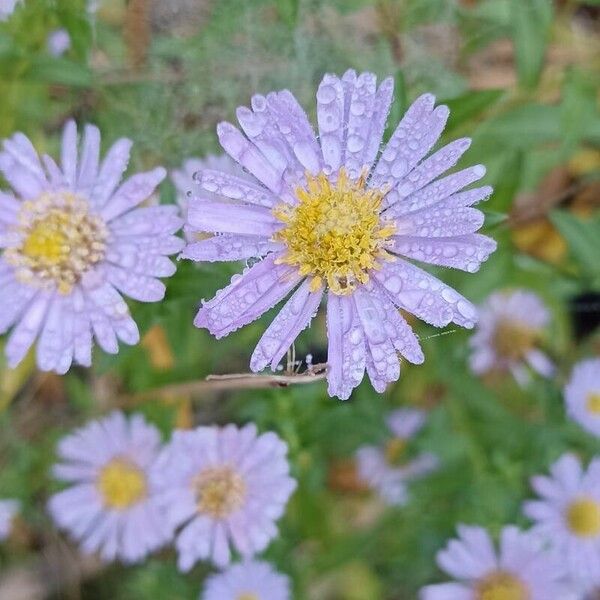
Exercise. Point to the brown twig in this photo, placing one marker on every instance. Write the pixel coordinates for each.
(216, 383)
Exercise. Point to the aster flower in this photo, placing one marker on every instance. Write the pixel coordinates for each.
(7, 7)
(388, 469)
(73, 244)
(327, 216)
(58, 42)
(185, 183)
(568, 514)
(8, 510)
(251, 580)
(111, 506)
(582, 395)
(510, 326)
(226, 487)
(522, 568)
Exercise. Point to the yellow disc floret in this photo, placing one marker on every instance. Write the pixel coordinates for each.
(335, 234)
(395, 451)
(501, 586)
(219, 491)
(513, 340)
(593, 403)
(58, 241)
(121, 484)
(583, 517)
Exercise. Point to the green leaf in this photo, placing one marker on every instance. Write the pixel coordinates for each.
(583, 238)
(531, 25)
(47, 69)
(470, 105)
(579, 112)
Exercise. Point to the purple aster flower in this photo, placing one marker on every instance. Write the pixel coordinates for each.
(73, 244)
(510, 326)
(582, 395)
(111, 507)
(226, 487)
(59, 41)
(522, 569)
(387, 469)
(185, 183)
(7, 7)
(568, 514)
(327, 215)
(8, 510)
(250, 580)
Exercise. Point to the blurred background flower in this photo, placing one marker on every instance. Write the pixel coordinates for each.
(521, 78)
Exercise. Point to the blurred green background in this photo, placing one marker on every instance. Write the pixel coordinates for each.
(522, 79)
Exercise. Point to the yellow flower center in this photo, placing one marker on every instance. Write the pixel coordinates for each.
(335, 234)
(395, 451)
(583, 517)
(248, 596)
(121, 484)
(219, 491)
(501, 586)
(593, 403)
(513, 340)
(59, 240)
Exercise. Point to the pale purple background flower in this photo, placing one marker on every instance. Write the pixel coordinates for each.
(510, 324)
(226, 487)
(417, 215)
(376, 465)
(568, 514)
(7, 7)
(111, 506)
(8, 510)
(186, 185)
(253, 580)
(75, 243)
(522, 565)
(59, 41)
(582, 395)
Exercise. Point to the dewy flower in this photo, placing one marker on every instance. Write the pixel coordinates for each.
(387, 469)
(59, 41)
(111, 507)
(522, 569)
(7, 7)
(568, 514)
(327, 216)
(510, 327)
(8, 510)
(185, 183)
(226, 487)
(251, 580)
(72, 245)
(582, 395)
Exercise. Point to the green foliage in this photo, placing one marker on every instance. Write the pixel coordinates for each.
(490, 437)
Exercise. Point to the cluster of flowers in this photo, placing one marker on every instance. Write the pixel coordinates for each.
(211, 491)
(325, 215)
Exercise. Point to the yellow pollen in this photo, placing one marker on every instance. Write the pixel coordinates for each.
(583, 517)
(335, 234)
(593, 403)
(219, 491)
(395, 451)
(121, 484)
(59, 241)
(513, 340)
(248, 596)
(501, 586)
